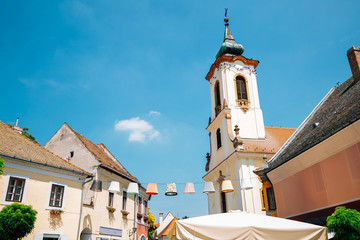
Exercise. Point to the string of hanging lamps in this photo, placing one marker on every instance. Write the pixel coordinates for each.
(171, 190)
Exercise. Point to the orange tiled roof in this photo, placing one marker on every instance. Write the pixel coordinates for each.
(168, 227)
(16, 145)
(102, 157)
(275, 137)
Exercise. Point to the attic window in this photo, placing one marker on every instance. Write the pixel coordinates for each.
(72, 154)
(315, 125)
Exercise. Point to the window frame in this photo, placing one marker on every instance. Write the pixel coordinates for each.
(238, 87)
(218, 138)
(17, 180)
(124, 204)
(6, 187)
(48, 206)
(112, 199)
(56, 186)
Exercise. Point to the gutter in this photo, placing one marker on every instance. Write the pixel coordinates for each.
(81, 206)
(47, 165)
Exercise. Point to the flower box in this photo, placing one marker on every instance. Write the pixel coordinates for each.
(139, 216)
(124, 212)
(111, 209)
(145, 218)
(56, 212)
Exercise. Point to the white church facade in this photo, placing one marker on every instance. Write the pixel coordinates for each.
(239, 141)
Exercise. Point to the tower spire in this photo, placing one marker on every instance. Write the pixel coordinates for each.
(229, 45)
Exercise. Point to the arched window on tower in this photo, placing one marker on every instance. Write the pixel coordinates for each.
(241, 88)
(218, 138)
(217, 98)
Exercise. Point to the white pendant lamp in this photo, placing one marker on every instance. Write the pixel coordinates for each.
(189, 188)
(246, 183)
(226, 186)
(208, 187)
(171, 189)
(133, 188)
(114, 187)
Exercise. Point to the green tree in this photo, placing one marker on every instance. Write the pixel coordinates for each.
(2, 165)
(16, 220)
(345, 223)
(152, 227)
(25, 133)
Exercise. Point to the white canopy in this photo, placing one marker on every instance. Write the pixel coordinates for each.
(240, 225)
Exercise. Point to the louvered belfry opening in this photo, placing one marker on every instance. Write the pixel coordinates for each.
(241, 88)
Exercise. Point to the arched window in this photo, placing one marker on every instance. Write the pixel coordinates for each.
(217, 98)
(218, 138)
(241, 88)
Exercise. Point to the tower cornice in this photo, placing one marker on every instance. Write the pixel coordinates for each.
(231, 59)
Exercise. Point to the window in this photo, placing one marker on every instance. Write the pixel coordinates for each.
(56, 196)
(15, 189)
(271, 198)
(145, 207)
(223, 202)
(72, 154)
(111, 199)
(139, 205)
(241, 88)
(218, 138)
(124, 200)
(217, 98)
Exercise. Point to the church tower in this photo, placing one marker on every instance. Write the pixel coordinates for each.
(238, 139)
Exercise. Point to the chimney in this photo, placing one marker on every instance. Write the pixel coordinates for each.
(353, 55)
(16, 127)
(161, 215)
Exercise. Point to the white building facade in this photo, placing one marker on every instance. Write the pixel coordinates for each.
(239, 141)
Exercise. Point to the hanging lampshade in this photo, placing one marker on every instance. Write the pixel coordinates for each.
(133, 188)
(189, 188)
(246, 183)
(152, 189)
(208, 187)
(96, 186)
(114, 187)
(226, 186)
(171, 189)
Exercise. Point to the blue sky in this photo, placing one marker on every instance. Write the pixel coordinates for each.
(131, 74)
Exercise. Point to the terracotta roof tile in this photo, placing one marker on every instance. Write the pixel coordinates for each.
(15, 145)
(275, 137)
(99, 152)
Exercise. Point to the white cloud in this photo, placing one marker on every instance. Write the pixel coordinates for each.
(154, 113)
(140, 130)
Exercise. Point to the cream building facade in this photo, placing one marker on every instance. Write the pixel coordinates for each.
(34, 176)
(108, 214)
(239, 141)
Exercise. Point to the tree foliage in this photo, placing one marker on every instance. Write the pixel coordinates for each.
(345, 223)
(152, 227)
(16, 220)
(2, 165)
(25, 133)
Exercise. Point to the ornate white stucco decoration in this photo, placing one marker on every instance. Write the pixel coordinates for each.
(237, 68)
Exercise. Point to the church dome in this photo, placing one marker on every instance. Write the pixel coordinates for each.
(229, 46)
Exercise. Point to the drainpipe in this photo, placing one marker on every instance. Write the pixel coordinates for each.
(135, 217)
(81, 206)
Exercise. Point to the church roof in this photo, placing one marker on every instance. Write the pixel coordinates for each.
(229, 45)
(337, 110)
(17, 146)
(275, 137)
(99, 152)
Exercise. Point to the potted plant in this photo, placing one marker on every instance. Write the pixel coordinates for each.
(111, 209)
(139, 216)
(145, 218)
(124, 213)
(56, 212)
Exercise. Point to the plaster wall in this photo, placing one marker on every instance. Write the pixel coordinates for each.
(38, 192)
(64, 141)
(323, 176)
